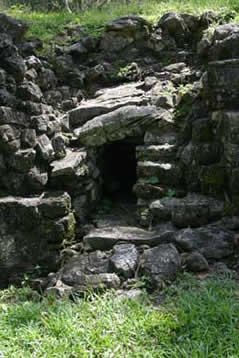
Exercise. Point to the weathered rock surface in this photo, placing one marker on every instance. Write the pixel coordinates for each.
(196, 262)
(107, 100)
(225, 42)
(213, 242)
(161, 263)
(193, 210)
(128, 121)
(32, 231)
(89, 271)
(124, 31)
(106, 238)
(124, 259)
(16, 29)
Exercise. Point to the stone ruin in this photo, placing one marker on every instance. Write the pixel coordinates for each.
(146, 117)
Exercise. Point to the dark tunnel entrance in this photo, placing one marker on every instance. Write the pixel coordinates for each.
(118, 168)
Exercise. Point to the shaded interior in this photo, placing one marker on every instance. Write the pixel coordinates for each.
(118, 168)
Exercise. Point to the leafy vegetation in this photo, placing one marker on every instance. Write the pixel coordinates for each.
(199, 318)
(47, 25)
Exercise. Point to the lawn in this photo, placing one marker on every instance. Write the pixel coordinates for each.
(197, 319)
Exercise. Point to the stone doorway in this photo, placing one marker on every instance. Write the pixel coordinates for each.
(118, 168)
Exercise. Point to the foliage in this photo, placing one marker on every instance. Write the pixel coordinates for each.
(199, 318)
(47, 25)
(151, 180)
(184, 89)
(171, 193)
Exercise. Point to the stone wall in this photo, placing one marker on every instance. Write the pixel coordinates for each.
(171, 89)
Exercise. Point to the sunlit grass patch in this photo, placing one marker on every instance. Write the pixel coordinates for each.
(199, 318)
(46, 26)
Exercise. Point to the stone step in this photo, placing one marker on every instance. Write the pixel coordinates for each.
(191, 211)
(153, 191)
(106, 237)
(166, 173)
(165, 152)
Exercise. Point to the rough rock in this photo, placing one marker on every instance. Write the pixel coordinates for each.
(153, 152)
(225, 42)
(16, 29)
(96, 282)
(40, 232)
(29, 91)
(69, 164)
(123, 32)
(22, 160)
(12, 62)
(67, 71)
(213, 242)
(196, 262)
(193, 210)
(175, 25)
(161, 263)
(11, 117)
(73, 173)
(154, 191)
(44, 148)
(221, 269)
(9, 138)
(222, 82)
(89, 271)
(168, 173)
(85, 264)
(117, 125)
(107, 100)
(124, 259)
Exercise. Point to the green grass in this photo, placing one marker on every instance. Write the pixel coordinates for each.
(198, 319)
(47, 25)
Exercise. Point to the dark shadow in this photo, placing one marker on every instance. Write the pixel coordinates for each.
(118, 168)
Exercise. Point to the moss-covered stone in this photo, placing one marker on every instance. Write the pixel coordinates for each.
(70, 228)
(212, 180)
(202, 131)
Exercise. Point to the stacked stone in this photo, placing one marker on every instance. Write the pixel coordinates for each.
(29, 127)
(223, 90)
(34, 224)
(159, 175)
(50, 142)
(77, 174)
(32, 232)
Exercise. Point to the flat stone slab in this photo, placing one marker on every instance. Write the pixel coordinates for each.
(106, 238)
(107, 100)
(168, 173)
(123, 122)
(193, 210)
(155, 152)
(69, 164)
